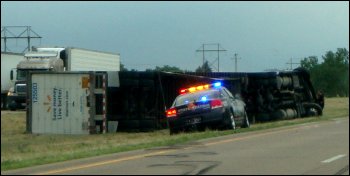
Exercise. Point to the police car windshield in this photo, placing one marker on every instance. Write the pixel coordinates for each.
(197, 96)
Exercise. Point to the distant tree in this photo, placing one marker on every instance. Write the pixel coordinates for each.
(336, 72)
(204, 68)
(309, 62)
(340, 58)
(167, 68)
(122, 67)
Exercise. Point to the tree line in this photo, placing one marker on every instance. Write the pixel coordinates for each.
(332, 75)
(166, 68)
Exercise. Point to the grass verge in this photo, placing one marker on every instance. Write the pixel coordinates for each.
(19, 149)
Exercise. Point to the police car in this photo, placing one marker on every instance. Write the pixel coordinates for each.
(206, 105)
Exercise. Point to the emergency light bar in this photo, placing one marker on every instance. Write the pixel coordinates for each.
(200, 87)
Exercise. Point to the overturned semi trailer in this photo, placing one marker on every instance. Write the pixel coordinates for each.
(91, 102)
(142, 97)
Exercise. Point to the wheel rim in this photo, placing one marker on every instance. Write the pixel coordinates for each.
(233, 122)
(247, 120)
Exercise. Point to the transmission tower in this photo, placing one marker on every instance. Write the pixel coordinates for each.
(18, 32)
(211, 49)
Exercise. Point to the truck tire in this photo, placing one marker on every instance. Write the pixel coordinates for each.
(315, 106)
(12, 105)
(279, 115)
(3, 102)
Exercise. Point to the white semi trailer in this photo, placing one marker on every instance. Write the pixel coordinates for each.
(9, 62)
(58, 59)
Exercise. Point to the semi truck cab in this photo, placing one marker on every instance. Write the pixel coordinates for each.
(33, 61)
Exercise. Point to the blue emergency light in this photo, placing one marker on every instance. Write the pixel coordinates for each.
(217, 84)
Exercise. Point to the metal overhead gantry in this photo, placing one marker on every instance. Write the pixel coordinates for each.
(18, 32)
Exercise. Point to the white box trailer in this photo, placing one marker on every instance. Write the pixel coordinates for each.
(79, 59)
(9, 61)
(67, 102)
(89, 60)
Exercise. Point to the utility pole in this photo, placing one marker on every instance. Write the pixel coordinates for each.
(203, 50)
(291, 63)
(18, 32)
(203, 54)
(236, 64)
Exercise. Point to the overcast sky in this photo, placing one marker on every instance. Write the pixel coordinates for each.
(265, 35)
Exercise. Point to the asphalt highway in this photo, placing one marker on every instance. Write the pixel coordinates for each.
(313, 148)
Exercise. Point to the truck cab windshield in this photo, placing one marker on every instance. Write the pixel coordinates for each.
(22, 74)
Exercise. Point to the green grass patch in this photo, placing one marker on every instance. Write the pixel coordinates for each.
(19, 149)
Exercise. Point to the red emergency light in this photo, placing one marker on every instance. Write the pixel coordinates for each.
(199, 88)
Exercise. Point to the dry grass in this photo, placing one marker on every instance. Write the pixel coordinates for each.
(336, 107)
(19, 149)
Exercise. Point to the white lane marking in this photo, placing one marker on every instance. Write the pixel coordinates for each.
(333, 158)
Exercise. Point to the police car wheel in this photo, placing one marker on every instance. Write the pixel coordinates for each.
(246, 123)
(231, 121)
